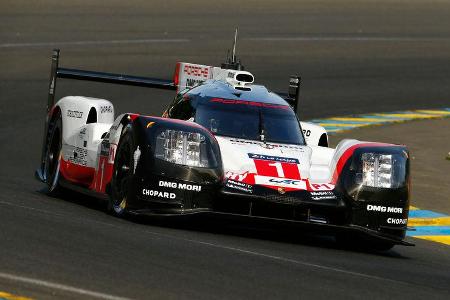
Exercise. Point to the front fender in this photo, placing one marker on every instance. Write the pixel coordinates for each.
(155, 178)
(384, 209)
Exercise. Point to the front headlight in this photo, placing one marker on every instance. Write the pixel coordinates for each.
(376, 170)
(180, 147)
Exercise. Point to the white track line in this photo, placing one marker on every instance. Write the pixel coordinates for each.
(343, 38)
(92, 43)
(60, 287)
(269, 39)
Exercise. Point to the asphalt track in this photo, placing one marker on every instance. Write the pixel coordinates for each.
(354, 56)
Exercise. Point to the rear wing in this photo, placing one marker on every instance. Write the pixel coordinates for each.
(57, 72)
(186, 75)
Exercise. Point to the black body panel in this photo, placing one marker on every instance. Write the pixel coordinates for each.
(166, 188)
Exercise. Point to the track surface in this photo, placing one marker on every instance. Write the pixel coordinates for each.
(355, 57)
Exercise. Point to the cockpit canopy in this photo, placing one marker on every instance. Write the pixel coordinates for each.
(252, 115)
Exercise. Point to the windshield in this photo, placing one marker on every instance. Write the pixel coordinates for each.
(250, 120)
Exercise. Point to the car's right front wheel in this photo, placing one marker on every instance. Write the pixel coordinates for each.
(121, 183)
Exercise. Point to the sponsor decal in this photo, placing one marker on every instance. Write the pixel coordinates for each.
(196, 70)
(79, 156)
(236, 176)
(136, 156)
(267, 146)
(322, 186)
(104, 148)
(192, 82)
(106, 109)
(74, 114)
(273, 158)
(281, 182)
(397, 221)
(112, 153)
(159, 194)
(323, 195)
(52, 86)
(115, 127)
(264, 145)
(82, 134)
(150, 124)
(388, 209)
(240, 186)
(251, 103)
(180, 186)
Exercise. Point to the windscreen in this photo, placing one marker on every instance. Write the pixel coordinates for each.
(250, 120)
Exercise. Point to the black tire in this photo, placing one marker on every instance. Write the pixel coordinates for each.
(121, 182)
(52, 155)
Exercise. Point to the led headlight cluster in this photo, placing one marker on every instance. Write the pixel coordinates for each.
(180, 147)
(377, 170)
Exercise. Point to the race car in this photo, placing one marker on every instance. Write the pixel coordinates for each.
(224, 146)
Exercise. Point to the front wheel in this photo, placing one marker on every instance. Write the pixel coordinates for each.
(121, 183)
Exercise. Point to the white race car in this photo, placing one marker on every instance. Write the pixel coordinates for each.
(223, 146)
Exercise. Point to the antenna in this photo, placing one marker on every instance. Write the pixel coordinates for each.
(232, 62)
(234, 46)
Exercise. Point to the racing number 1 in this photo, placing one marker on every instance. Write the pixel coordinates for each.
(279, 168)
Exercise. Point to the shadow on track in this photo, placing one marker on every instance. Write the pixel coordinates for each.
(224, 225)
(283, 233)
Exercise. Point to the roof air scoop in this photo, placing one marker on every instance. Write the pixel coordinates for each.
(240, 80)
(232, 71)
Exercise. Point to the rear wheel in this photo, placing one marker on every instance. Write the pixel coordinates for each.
(121, 183)
(53, 153)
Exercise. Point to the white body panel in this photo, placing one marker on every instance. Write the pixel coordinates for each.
(81, 141)
(312, 133)
(235, 154)
(75, 111)
(281, 165)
